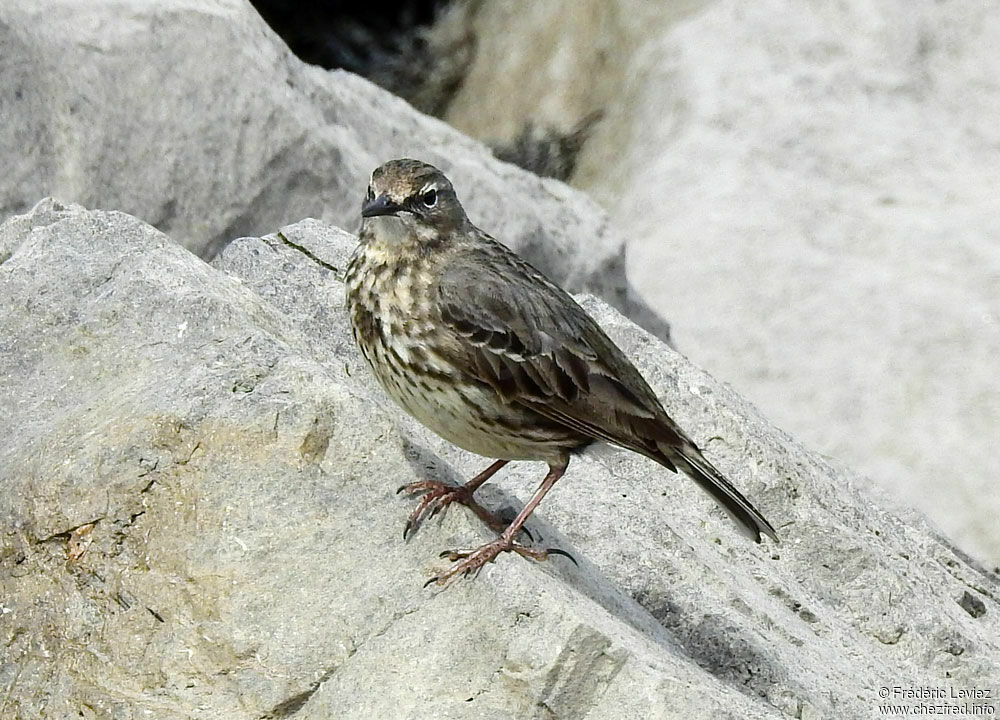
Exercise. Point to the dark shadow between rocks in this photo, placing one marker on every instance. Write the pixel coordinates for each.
(717, 645)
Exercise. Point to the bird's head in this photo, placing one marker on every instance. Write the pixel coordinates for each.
(416, 195)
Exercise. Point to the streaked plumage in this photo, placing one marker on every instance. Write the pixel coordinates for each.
(486, 351)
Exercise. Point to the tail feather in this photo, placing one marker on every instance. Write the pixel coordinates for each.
(699, 469)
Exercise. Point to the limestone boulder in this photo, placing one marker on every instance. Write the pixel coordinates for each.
(809, 192)
(199, 519)
(195, 117)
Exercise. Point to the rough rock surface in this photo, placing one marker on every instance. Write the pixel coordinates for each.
(198, 520)
(196, 118)
(810, 194)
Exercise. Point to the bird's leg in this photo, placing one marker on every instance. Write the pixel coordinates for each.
(472, 561)
(438, 495)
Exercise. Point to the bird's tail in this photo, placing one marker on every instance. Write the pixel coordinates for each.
(751, 523)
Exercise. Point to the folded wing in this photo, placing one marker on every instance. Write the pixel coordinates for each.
(529, 341)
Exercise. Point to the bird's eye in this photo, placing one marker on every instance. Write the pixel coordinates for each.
(371, 194)
(429, 198)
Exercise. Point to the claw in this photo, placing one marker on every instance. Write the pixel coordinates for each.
(432, 580)
(406, 530)
(557, 551)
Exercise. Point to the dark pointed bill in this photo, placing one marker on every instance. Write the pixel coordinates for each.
(381, 205)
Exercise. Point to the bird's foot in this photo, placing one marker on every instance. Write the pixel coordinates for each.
(470, 562)
(438, 496)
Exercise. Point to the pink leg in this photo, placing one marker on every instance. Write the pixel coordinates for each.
(439, 495)
(473, 560)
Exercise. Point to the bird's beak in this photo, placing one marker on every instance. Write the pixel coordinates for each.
(381, 205)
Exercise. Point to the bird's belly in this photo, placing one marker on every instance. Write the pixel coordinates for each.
(470, 416)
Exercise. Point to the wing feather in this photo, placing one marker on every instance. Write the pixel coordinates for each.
(527, 339)
(534, 345)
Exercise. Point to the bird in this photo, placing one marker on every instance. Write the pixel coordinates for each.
(486, 351)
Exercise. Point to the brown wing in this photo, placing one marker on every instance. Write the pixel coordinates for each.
(526, 338)
(535, 346)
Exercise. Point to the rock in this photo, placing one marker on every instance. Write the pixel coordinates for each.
(206, 154)
(808, 194)
(199, 519)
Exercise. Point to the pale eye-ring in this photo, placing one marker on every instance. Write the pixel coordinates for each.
(429, 198)
(370, 195)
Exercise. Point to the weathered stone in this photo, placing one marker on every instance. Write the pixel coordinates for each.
(197, 501)
(809, 193)
(196, 118)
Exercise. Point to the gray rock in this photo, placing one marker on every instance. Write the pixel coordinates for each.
(810, 195)
(199, 519)
(196, 118)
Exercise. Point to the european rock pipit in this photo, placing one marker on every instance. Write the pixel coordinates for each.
(491, 355)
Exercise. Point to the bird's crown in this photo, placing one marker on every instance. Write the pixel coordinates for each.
(413, 188)
(403, 178)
